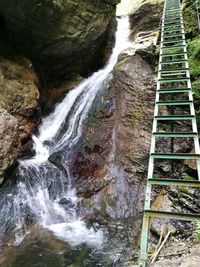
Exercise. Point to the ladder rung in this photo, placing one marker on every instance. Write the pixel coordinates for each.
(180, 22)
(180, 30)
(177, 12)
(174, 90)
(174, 80)
(173, 35)
(175, 117)
(170, 134)
(172, 41)
(172, 12)
(163, 181)
(174, 54)
(173, 70)
(173, 20)
(173, 46)
(174, 103)
(172, 16)
(175, 156)
(172, 215)
(174, 61)
(173, 23)
(167, 10)
(171, 28)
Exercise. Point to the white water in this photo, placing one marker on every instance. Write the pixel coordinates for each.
(41, 186)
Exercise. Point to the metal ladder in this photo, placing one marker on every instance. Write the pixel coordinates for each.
(173, 53)
(198, 9)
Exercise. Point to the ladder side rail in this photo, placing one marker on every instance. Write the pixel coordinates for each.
(145, 224)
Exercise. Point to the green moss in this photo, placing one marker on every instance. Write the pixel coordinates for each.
(185, 176)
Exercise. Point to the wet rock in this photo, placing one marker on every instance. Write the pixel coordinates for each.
(10, 144)
(55, 159)
(115, 164)
(60, 37)
(19, 93)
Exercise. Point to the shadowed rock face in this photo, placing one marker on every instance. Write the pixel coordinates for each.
(61, 36)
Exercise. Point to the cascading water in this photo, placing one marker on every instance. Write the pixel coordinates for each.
(43, 193)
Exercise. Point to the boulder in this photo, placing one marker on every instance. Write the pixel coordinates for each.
(10, 143)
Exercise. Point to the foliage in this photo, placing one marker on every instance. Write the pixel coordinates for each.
(190, 18)
(193, 40)
(196, 88)
(197, 231)
(194, 57)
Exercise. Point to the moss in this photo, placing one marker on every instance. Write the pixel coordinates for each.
(185, 176)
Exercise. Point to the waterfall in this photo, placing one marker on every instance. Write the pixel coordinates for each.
(43, 193)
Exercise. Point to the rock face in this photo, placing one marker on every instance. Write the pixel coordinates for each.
(60, 36)
(146, 17)
(10, 143)
(114, 160)
(19, 93)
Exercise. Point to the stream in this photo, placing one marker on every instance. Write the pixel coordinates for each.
(40, 221)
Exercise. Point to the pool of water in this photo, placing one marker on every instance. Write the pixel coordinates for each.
(40, 248)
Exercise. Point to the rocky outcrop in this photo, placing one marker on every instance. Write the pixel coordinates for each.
(113, 155)
(60, 37)
(10, 143)
(19, 93)
(146, 17)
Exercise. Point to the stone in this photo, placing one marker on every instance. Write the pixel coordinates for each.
(157, 225)
(10, 143)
